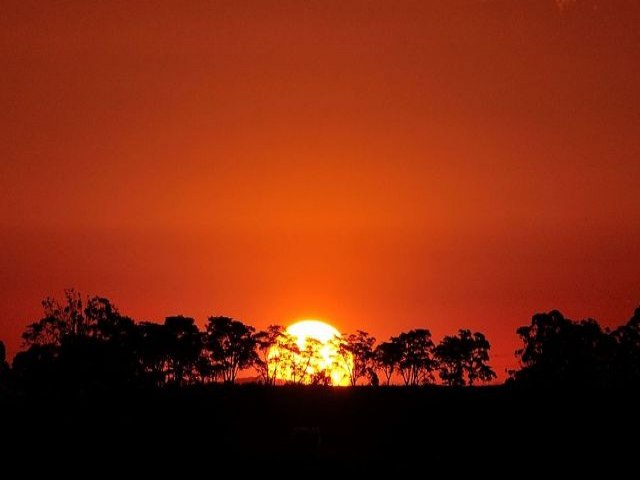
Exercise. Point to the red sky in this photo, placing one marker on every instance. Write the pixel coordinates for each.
(379, 165)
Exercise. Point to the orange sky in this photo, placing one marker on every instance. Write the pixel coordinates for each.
(380, 165)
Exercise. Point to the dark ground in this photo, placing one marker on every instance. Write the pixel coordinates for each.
(305, 431)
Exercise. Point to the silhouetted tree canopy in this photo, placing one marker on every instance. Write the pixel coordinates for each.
(231, 345)
(298, 363)
(89, 344)
(79, 346)
(185, 345)
(463, 358)
(153, 348)
(626, 362)
(416, 364)
(559, 351)
(387, 358)
(303, 361)
(356, 354)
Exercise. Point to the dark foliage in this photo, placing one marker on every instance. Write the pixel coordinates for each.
(231, 345)
(90, 346)
(559, 352)
(387, 358)
(416, 363)
(463, 358)
(77, 347)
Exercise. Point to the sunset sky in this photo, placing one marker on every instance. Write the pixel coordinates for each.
(377, 165)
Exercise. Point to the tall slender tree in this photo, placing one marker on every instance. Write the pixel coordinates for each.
(269, 359)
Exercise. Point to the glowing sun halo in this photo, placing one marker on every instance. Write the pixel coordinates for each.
(318, 354)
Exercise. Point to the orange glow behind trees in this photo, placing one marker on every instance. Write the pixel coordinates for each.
(308, 352)
(391, 164)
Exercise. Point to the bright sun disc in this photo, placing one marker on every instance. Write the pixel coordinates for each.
(309, 353)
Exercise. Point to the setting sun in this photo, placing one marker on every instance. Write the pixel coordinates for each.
(309, 353)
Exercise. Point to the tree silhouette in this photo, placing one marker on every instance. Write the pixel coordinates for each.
(463, 358)
(387, 358)
(59, 320)
(299, 365)
(231, 346)
(355, 354)
(557, 350)
(100, 319)
(204, 370)
(154, 347)
(416, 362)
(80, 347)
(90, 345)
(307, 364)
(269, 359)
(185, 345)
(626, 362)
(47, 331)
(291, 368)
(451, 355)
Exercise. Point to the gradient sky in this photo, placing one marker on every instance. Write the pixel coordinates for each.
(380, 165)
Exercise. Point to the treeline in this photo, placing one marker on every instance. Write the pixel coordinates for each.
(91, 345)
